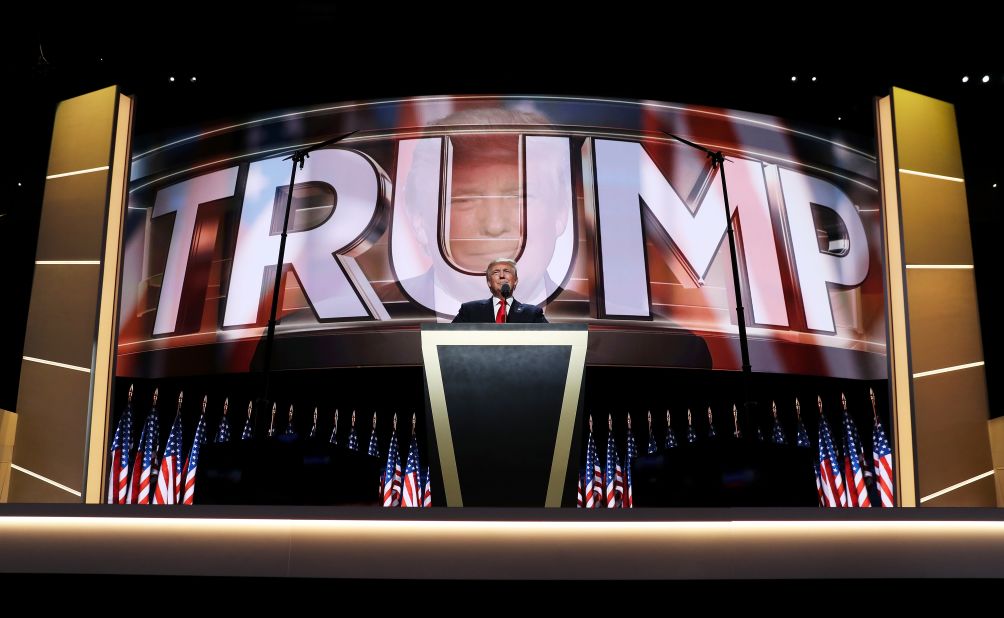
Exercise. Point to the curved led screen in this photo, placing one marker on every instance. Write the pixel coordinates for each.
(612, 222)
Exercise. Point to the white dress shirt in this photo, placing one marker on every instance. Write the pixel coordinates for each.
(495, 306)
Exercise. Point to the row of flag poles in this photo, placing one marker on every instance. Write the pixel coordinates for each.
(843, 475)
(141, 474)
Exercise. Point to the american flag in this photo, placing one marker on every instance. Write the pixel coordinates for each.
(853, 466)
(882, 458)
(631, 453)
(118, 476)
(412, 485)
(334, 431)
(392, 474)
(427, 491)
(691, 435)
(652, 445)
(313, 428)
(578, 492)
(169, 480)
(353, 435)
(802, 436)
(619, 486)
(613, 470)
(777, 432)
(290, 432)
(670, 434)
(248, 432)
(373, 448)
(831, 480)
(592, 494)
(223, 431)
(144, 469)
(192, 463)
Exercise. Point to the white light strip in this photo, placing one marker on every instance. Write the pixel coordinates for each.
(940, 266)
(555, 530)
(926, 175)
(51, 262)
(922, 374)
(55, 364)
(956, 486)
(49, 481)
(412, 100)
(226, 160)
(93, 169)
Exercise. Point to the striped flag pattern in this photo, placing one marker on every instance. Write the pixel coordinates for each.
(882, 459)
(192, 463)
(412, 486)
(169, 480)
(392, 475)
(857, 491)
(118, 476)
(144, 469)
(830, 478)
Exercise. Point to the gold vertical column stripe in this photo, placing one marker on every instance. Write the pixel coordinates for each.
(102, 377)
(948, 410)
(901, 406)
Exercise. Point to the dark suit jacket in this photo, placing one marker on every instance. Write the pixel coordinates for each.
(482, 311)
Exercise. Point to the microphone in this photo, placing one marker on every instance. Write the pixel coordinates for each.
(506, 290)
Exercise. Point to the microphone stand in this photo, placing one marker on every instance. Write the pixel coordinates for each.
(298, 157)
(718, 162)
(506, 291)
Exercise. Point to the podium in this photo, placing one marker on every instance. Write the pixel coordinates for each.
(504, 401)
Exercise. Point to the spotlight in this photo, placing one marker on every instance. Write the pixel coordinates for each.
(793, 78)
(965, 79)
(986, 78)
(813, 78)
(170, 79)
(193, 78)
(840, 117)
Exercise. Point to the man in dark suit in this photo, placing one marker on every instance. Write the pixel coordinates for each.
(501, 307)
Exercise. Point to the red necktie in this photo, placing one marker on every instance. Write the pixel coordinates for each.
(500, 316)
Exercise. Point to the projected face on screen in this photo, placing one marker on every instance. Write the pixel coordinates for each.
(485, 211)
(495, 186)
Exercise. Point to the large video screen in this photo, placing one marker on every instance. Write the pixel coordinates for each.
(612, 223)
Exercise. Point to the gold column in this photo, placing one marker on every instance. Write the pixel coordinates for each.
(935, 350)
(67, 366)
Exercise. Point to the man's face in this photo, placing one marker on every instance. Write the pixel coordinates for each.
(499, 274)
(485, 216)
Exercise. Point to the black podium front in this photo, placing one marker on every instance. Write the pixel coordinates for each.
(504, 402)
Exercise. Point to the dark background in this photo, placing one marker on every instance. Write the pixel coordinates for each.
(296, 54)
